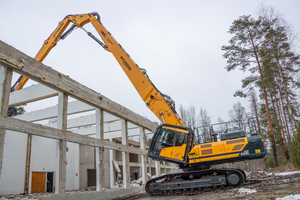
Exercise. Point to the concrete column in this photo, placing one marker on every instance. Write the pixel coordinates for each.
(27, 163)
(143, 157)
(157, 168)
(62, 166)
(77, 165)
(125, 155)
(60, 178)
(111, 167)
(56, 174)
(5, 82)
(164, 167)
(150, 166)
(99, 151)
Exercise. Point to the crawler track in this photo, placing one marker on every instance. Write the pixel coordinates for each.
(194, 182)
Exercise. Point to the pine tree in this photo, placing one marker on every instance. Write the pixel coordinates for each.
(244, 51)
(280, 40)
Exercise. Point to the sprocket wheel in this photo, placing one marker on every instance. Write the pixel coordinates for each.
(233, 179)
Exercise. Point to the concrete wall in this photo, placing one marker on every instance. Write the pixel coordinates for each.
(43, 159)
(43, 154)
(118, 156)
(87, 161)
(72, 182)
(13, 168)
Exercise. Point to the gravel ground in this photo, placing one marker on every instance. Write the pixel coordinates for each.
(279, 186)
(273, 186)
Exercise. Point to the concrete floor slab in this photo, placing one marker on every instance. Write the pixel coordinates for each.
(101, 195)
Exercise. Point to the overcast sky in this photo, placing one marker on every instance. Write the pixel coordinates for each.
(177, 42)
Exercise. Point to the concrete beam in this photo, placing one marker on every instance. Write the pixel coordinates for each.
(43, 131)
(137, 164)
(87, 120)
(31, 94)
(29, 67)
(109, 134)
(74, 107)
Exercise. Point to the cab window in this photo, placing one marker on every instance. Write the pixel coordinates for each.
(167, 137)
(180, 139)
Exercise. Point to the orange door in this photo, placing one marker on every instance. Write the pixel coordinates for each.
(38, 182)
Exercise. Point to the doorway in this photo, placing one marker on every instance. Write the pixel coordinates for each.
(91, 180)
(49, 181)
(41, 182)
(38, 182)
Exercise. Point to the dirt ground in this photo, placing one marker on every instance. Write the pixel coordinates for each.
(273, 186)
(267, 186)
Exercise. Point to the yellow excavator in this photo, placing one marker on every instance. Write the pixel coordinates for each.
(172, 141)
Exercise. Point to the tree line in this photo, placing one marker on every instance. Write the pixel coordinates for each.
(263, 47)
(201, 119)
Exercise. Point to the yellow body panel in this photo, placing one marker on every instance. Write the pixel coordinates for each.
(176, 153)
(217, 150)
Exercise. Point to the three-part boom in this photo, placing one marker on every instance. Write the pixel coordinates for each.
(161, 105)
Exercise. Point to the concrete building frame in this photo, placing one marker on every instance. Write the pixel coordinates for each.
(109, 121)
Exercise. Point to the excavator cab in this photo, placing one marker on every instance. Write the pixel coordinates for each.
(171, 143)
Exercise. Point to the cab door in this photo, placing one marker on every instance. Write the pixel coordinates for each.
(170, 143)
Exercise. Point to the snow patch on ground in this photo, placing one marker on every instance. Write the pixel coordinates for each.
(283, 173)
(246, 191)
(290, 197)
